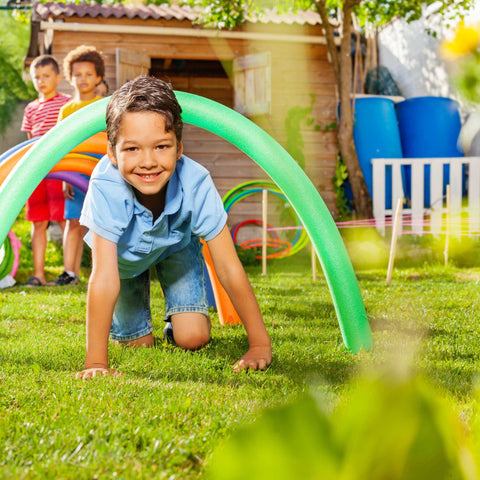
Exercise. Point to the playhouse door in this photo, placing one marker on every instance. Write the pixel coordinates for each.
(130, 64)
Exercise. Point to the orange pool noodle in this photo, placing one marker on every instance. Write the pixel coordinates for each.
(227, 314)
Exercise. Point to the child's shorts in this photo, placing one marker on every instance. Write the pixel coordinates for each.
(46, 203)
(73, 208)
(182, 279)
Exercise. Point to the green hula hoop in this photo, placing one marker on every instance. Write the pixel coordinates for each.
(252, 183)
(243, 190)
(230, 196)
(255, 143)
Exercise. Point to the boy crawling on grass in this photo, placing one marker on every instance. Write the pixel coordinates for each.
(149, 205)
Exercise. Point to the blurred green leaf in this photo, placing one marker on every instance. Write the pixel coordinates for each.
(389, 429)
(400, 430)
(292, 442)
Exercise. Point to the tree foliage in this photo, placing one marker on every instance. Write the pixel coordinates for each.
(230, 13)
(373, 13)
(13, 46)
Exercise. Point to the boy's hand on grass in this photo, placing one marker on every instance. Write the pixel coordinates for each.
(257, 358)
(93, 372)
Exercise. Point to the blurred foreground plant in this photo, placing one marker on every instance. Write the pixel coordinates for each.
(390, 428)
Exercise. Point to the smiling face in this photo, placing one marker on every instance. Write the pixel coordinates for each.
(146, 155)
(46, 80)
(85, 79)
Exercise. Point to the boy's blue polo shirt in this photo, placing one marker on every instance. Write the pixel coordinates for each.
(193, 207)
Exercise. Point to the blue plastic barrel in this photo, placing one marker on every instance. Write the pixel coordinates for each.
(429, 127)
(376, 135)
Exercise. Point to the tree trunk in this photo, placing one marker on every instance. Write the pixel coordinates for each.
(342, 63)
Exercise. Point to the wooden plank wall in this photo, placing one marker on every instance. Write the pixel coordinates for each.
(218, 89)
(298, 72)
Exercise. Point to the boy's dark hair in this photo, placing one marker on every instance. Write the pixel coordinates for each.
(43, 61)
(83, 53)
(144, 94)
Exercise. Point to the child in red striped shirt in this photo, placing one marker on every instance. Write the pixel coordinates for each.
(47, 202)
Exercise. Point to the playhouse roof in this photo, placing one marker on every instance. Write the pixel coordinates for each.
(44, 11)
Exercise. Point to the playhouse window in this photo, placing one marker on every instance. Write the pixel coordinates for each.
(252, 75)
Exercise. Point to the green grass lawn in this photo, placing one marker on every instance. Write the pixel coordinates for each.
(165, 416)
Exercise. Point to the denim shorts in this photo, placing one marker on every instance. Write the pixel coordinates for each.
(182, 279)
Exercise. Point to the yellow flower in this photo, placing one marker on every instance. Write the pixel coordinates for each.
(465, 41)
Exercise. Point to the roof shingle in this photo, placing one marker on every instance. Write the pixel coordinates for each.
(43, 11)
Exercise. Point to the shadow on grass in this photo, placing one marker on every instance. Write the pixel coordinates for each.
(310, 314)
(67, 289)
(396, 326)
(291, 364)
(460, 380)
(307, 343)
(290, 291)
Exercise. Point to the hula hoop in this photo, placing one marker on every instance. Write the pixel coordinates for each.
(257, 243)
(273, 242)
(254, 142)
(250, 183)
(301, 237)
(246, 193)
(254, 221)
(236, 193)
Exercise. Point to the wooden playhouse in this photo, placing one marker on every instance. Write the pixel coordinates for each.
(273, 69)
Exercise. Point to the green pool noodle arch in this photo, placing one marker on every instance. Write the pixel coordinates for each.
(254, 142)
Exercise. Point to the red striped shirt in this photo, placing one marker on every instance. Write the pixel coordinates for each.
(40, 116)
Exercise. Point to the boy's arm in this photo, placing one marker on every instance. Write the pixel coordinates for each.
(234, 280)
(103, 291)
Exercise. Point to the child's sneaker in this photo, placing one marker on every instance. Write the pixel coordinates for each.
(168, 333)
(64, 279)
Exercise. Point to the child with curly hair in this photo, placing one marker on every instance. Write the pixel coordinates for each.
(84, 68)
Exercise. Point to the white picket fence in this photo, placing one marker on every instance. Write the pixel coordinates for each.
(437, 208)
